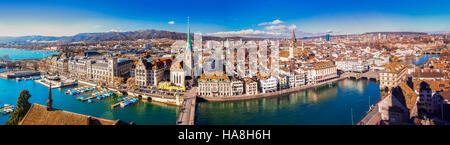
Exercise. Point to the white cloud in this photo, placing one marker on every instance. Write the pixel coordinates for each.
(116, 30)
(274, 31)
(274, 22)
(281, 28)
(171, 22)
(244, 33)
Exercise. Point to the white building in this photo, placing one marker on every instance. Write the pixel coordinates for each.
(268, 84)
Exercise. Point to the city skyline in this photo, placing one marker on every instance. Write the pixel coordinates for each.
(268, 19)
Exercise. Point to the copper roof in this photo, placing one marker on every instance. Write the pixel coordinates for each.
(214, 77)
(433, 85)
(393, 67)
(409, 94)
(428, 74)
(323, 65)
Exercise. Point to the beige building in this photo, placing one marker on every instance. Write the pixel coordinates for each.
(251, 86)
(99, 69)
(237, 87)
(151, 73)
(214, 84)
(393, 74)
(219, 85)
(322, 71)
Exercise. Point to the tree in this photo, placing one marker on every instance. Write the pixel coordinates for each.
(131, 82)
(22, 108)
(117, 81)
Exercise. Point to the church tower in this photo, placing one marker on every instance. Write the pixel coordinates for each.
(292, 45)
(293, 42)
(188, 61)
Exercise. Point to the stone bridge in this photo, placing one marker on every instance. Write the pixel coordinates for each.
(367, 75)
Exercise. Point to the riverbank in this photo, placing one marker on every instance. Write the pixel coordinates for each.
(141, 113)
(335, 104)
(273, 94)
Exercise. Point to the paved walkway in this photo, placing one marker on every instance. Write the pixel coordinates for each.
(371, 118)
(187, 109)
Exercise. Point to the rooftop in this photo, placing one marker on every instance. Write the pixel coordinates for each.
(39, 115)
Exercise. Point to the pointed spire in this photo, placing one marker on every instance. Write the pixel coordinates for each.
(50, 101)
(293, 39)
(189, 44)
(293, 36)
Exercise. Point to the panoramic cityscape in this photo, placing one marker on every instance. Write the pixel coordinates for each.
(72, 64)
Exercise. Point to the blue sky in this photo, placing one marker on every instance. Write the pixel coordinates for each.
(263, 18)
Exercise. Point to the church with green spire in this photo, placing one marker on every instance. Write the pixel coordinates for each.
(188, 61)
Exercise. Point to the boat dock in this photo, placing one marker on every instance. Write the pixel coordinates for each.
(18, 74)
(7, 109)
(187, 109)
(118, 103)
(56, 84)
(87, 98)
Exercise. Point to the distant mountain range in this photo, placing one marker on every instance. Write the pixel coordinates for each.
(25, 39)
(141, 34)
(112, 36)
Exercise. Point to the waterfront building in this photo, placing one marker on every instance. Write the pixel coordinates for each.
(151, 73)
(103, 70)
(284, 81)
(78, 67)
(214, 84)
(268, 84)
(251, 86)
(393, 74)
(296, 78)
(41, 115)
(322, 71)
(237, 87)
(352, 66)
(58, 65)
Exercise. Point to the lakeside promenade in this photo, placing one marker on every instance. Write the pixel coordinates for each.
(187, 109)
(273, 94)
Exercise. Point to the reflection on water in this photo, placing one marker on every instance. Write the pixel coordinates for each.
(418, 60)
(329, 104)
(141, 113)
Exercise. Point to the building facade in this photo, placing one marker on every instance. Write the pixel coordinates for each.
(322, 71)
(393, 74)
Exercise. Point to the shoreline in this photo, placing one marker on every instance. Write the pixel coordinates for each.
(268, 95)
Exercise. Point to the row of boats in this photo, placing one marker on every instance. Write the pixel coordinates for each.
(29, 78)
(80, 90)
(128, 102)
(96, 96)
(6, 109)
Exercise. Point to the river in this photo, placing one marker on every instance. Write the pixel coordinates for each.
(342, 103)
(142, 113)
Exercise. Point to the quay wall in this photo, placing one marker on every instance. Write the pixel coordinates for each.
(266, 95)
(170, 101)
